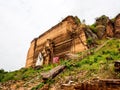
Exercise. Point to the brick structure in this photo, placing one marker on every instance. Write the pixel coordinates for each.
(65, 37)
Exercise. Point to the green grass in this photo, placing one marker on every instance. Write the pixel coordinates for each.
(92, 66)
(24, 73)
(96, 65)
(38, 86)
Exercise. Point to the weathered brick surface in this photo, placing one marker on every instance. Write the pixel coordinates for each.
(65, 37)
(68, 37)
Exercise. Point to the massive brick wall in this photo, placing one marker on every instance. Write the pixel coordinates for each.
(63, 38)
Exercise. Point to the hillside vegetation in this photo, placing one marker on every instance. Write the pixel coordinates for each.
(96, 63)
(99, 64)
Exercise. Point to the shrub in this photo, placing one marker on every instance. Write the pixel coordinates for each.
(77, 20)
(95, 59)
(89, 41)
(38, 86)
(78, 64)
(93, 28)
(117, 46)
(1, 77)
(2, 71)
(9, 76)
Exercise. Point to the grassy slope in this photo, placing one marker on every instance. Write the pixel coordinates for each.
(23, 74)
(96, 65)
(90, 67)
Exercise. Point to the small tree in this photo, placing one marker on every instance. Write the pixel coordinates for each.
(89, 41)
(77, 20)
(2, 71)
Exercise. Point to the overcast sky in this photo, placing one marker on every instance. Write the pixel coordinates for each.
(23, 20)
